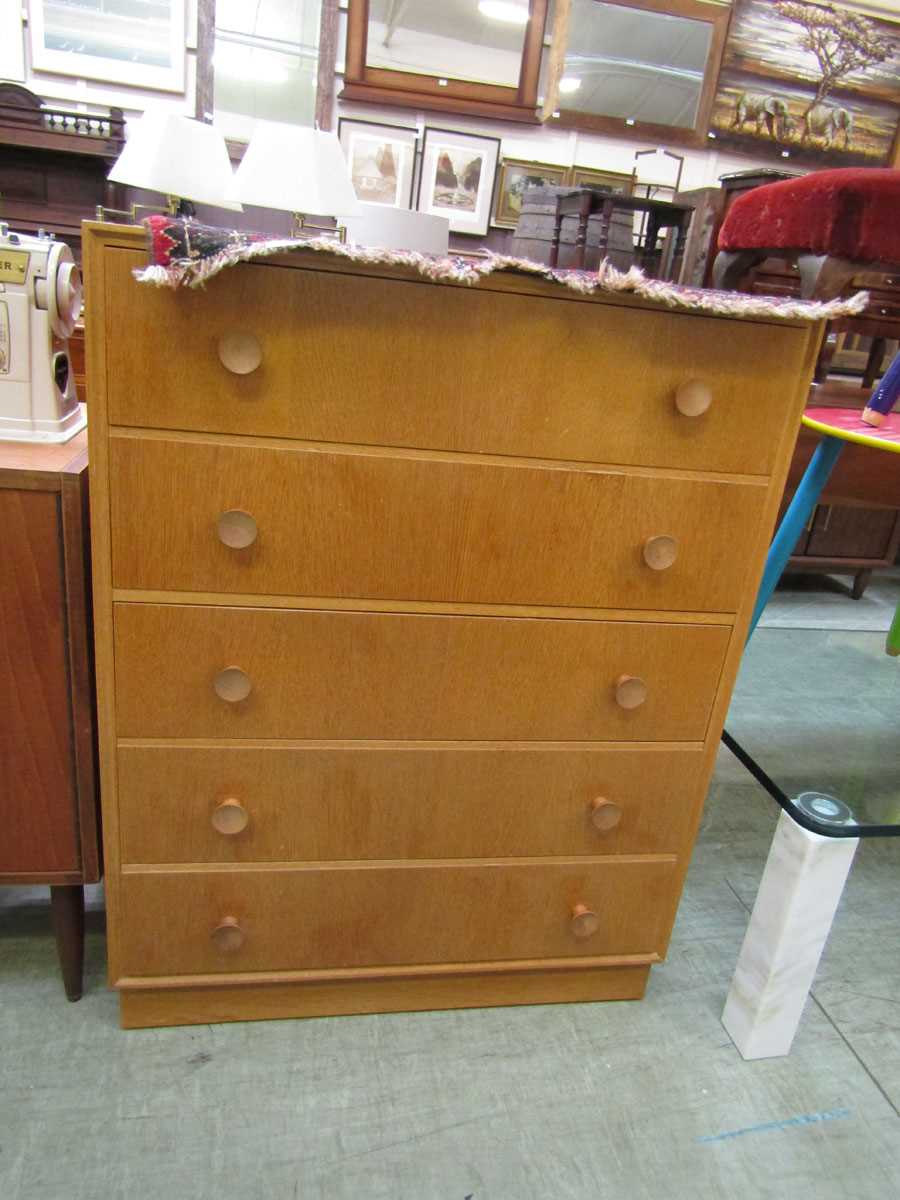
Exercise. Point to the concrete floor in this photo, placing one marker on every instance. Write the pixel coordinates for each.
(636, 1101)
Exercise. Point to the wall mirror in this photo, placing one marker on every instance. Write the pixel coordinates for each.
(468, 56)
(458, 38)
(644, 65)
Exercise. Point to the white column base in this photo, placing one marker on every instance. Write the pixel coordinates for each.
(797, 899)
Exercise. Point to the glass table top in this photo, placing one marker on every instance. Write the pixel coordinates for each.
(818, 711)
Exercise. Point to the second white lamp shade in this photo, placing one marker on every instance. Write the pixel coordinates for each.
(177, 156)
(296, 169)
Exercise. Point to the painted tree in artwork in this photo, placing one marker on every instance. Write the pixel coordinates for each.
(842, 41)
(386, 162)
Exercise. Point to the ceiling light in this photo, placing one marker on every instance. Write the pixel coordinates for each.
(504, 10)
(711, 134)
(568, 84)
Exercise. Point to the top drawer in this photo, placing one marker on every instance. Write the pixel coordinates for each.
(347, 358)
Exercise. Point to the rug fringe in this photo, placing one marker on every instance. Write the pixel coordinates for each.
(195, 273)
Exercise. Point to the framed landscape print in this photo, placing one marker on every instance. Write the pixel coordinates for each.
(513, 178)
(457, 178)
(128, 42)
(382, 161)
(611, 181)
(819, 83)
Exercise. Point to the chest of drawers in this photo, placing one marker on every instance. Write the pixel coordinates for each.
(418, 610)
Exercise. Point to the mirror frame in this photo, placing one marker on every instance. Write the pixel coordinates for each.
(718, 15)
(381, 85)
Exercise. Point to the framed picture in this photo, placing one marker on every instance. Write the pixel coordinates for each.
(130, 42)
(382, 161)
(815, 83)
(612, 181)
(457, 178)
(513, 178)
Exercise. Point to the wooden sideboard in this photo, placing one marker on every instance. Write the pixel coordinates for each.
(48, 792)
(855, 528)
(54, 162)
(418, 610)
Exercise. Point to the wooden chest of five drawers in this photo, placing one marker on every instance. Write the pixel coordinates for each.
(418, 610)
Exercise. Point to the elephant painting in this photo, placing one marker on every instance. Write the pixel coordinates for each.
(770, 111)
(829, 123)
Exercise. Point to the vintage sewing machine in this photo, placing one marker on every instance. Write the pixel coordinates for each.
(40, 301)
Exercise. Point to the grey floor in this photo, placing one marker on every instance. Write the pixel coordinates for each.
(583, 1102)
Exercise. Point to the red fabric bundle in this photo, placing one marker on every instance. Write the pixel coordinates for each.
(852, 213)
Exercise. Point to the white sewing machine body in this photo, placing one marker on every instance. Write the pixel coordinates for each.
(40, 301)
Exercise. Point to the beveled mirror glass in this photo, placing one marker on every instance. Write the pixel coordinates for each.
(634, 63)
(479, 41)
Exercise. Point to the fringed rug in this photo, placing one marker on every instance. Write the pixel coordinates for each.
(184, 253)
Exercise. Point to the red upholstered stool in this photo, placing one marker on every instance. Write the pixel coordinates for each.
(834, 224)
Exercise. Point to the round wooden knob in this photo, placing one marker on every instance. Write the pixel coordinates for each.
(693, 398)
(605, 814)
(584, 922)
(236, 529)
(631, 691)
(230, 817)
(228, 935)
(660, 551)
(232, 685)
(240, 353)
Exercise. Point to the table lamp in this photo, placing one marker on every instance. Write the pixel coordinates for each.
(184, 159)
(298, 170)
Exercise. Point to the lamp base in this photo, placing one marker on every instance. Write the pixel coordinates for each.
(303, 227)
(175, 207)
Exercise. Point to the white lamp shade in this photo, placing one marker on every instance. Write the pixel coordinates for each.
(172, 154)
(297, 169)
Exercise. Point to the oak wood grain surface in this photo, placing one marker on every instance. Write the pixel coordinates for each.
(381, 915)
(346, 358)
(355, 604)
(201, 1005)
(349, 524)
(379, 649)
(306, 804)
(359, 675)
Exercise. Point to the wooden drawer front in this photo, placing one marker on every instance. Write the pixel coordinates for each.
(298, 918)
(365, 675)
(446, 369)
(291, 804)
(369, 525)
(846, 531)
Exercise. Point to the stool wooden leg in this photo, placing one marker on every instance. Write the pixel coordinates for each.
(731, 266)
(603, 230)
(584, 212)
(824, 276)
(874, 362)
(860, 582)
(826, 354)
(67, 907)
(553, 260)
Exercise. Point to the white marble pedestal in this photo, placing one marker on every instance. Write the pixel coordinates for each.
(797, 899)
